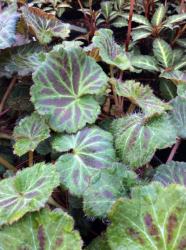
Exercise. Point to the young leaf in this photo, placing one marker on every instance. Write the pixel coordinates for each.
(22, 60)
(30, 131)
(105, 188)
(172, 172)
(109, 50)
(153, 219)
(99, 243)
(137, 139)
(44, 230)
(64, 88)
(8, 20)
(86, 153)
(106, 9)
(162, 52)
(28, 191)
(176, 76)
(44, 25)
(142, 96)
(159, 15)
(145, 62)
(178, 115)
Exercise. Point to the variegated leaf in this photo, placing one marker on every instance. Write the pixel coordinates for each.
(176, 76)
(172, 172)
(162, 52)
(8, 21)
(137, 139)
(173, 19)
(142, 96)
(158, 15)
(30, 131)
(84, 154)
(64, 88)
(28, 191)
(141, 20)
(46, 230)
(140, 34)
(44, 25)
(145, 62)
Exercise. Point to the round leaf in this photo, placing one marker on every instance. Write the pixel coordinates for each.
(64, 88)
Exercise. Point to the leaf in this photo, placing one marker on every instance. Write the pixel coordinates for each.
(22, 60)
(110, 52)
(84, 154)
(44, 25)
(106, 9)
(180, 65)
(140, 34)
(162, 52)
(141, 96)
(178, 115)
(176, 76)
(8, 20)
(105, 188)
(158, 15)
(173, 19)
(44, 230)
(28, 191)
(172, 172)
(119, 22)
(141, 20)
(30, 131)
(145, 62)
(64, 88)
(137, 139)
(181, 42)
(167, 89)
(153, 219)
(98, 243)
(181, 90)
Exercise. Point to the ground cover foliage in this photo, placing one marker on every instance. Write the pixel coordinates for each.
(92, 125)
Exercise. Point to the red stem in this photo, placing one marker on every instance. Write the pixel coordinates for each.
(174, 150)
(132, 3)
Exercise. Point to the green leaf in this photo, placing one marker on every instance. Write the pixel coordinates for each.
(158, 15)
(64, 88)
(44, 230)
(167, 89)
(145, 62)
(153, 219)
(181, 42)
(99, 243)
(141, 20)
(8, 20)
(43, 25)
(162, 52)
(178, 115)
(173, 19)
(181, 90)
(105, 188)
(180, 65)
(109, 50)
(137, 139)
(140, 34)
(176, 76)
(119, 22)
(106, 9)
(172, 172)
(30, 131)
(84, 154)
(141, 96)
(22, 60)
(28, 191)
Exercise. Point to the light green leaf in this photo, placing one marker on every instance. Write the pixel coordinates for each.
(145, 62)
(84, 155)
(105, 188)
(181, 90)
(8, 21)
(64, 89)
(119, 22)
(158, 15)
(45, 26)
(141, 96)
(154, 218)
(99, 243)
(178, 115)
(173, 19)
(30, 131)
(141, 20)
(28, 191)
(140, 34)
(172, 172)
(162, 52)
(176, 76)
(180, 65)
(109, 50)
(44, 230)
(137, 139)
(22, 60)
(106, 8)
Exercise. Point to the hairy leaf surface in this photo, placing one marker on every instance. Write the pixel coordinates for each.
(86, 153)
(30, 131)
(28, 191)
(64, 88)
(44, 230)
(155, 218)
(137, 139)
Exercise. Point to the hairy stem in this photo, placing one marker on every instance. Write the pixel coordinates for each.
(132, 3)
(11, 85)
(174, 150)
(30, 158)
(7, 165)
